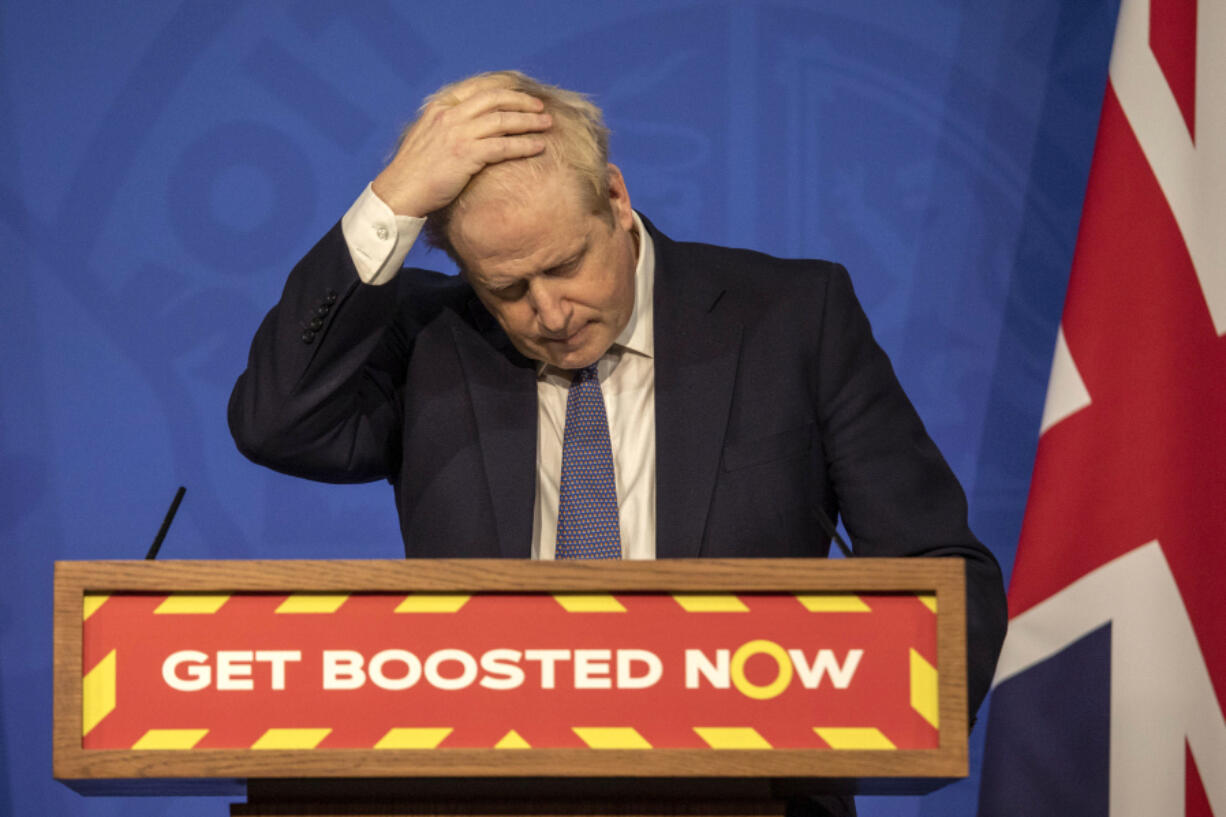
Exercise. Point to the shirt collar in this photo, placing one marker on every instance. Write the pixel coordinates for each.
(638, 336)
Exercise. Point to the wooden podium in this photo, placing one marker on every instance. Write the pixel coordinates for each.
(507, 687)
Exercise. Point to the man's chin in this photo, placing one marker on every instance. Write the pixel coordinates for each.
(575, 360)
(564, 356)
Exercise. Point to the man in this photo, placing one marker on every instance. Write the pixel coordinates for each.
(739, 396)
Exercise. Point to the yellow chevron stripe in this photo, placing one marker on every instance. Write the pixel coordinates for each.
(311, 603)
(431, 603)
(711, 603)
(98, 692)
(924, 689)
(732, 737)
(191, 604)
(611, 737)
(589, 603)
(830, 603)
(413, 738)
(91, 603)
(291, 739)
(512, 740)
(929, 600)
(853, 737)
(170, 739)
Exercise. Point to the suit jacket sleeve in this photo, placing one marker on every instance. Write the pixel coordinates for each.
(897, 495)
(321, 394)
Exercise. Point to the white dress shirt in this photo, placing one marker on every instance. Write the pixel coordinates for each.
(379, 240)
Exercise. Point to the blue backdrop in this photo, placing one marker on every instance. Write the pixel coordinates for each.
(163, 164)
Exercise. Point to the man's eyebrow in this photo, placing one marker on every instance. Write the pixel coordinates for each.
(571, 261)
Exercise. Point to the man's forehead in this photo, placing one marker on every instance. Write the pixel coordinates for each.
(547, 219)
(503, 258)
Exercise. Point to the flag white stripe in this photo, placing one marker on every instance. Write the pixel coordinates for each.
(1192, 175)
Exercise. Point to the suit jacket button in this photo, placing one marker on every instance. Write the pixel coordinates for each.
(323, 309)
(308, 336)
(331, 299)
(316, 323)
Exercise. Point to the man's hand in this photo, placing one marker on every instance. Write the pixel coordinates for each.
(453, 139)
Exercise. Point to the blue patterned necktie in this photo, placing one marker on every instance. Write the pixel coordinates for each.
(588, 526)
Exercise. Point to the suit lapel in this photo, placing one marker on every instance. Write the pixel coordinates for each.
(502, 386)
(697, 344)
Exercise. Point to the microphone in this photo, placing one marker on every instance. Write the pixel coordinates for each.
(170, 517)
(832, 532)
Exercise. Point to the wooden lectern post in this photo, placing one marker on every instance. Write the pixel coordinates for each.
(699, 686)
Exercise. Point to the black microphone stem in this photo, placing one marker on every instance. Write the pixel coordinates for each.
(170, 517)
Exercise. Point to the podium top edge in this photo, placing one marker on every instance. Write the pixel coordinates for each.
(514, 575)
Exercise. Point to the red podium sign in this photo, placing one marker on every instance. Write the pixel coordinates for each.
(194, 676)
(510, 671)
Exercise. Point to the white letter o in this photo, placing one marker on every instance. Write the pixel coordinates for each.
(412, 675)
(465, 678)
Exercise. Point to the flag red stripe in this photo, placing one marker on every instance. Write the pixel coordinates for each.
(1172, 38)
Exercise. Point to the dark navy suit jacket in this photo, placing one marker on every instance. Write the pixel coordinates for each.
(772, 400)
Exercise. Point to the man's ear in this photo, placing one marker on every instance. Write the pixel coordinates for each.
(619, 199)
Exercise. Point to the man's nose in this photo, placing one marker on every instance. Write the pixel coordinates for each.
(552, 309)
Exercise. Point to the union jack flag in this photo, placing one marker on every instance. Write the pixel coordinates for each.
(1108, 696)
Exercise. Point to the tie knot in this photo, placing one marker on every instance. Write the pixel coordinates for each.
(585, 374)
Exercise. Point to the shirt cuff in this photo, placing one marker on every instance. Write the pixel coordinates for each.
(378, 239)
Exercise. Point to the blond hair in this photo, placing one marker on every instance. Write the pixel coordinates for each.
(578, 140)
